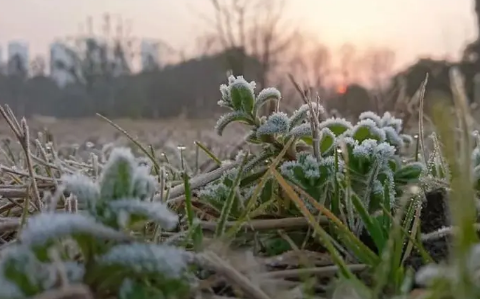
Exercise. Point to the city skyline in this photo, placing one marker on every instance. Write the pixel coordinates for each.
(149, 56)
(409, 27)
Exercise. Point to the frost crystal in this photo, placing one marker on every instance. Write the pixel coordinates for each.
(392, 136)
(226, 119)
(366, 149)
(308, 165)
(151, 258)
(43, 227)
(302, 130)
(329, 162)
(278, 122)
(304, 111)
(371, 115)
(240, 81)
(266, 95)
(389, 120)
(270, 92)
(370, 148)
(225, 101)
(215, 191)
(154, 211)
(82, 187)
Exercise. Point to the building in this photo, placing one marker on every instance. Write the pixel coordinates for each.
(18, 58)
(60, 64)
(2, 62)
(149, 53)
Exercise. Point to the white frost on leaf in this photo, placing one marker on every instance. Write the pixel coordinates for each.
(407, 139)
(371, 126)
(225, 101)
(307, 163)
(392, 136)
(371, 115)
(388, 120)
(278, 122)
(44, 227)
(266, 95)
(140, 258)
(334, 123)
(82, 187)
(304, 112)
(370, 148)
(302, 130)
(240, 80)
(154, 211)
(228, 118)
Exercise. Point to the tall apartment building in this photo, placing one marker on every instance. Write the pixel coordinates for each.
(17, 58)
(60, 63)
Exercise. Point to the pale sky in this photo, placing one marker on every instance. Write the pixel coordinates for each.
(410, 27)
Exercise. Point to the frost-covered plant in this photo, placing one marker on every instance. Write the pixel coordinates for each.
(343, 165)
(105, 256)
(313, 176)
(217, 192)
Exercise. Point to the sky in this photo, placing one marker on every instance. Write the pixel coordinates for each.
(410, 27)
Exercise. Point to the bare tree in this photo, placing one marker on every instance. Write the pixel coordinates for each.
(377, 65)
(257, 28)
(311, 64)
(347, 67)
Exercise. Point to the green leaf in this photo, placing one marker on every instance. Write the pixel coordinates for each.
(226, 119)
(22, 272)
(327, 141)
(248, 180)
(267, 191)
(372, 225)
(133, 290)
(266, 95)
(229, 203)
(409, 173)
(395, 163)
(117, 177)
(366, 129)
(337, 126)
(242, 95)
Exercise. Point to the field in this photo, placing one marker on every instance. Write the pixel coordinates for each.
(306, 206)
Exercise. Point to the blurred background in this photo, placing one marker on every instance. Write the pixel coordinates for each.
(158, 59)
